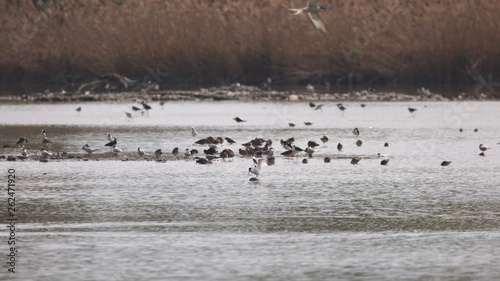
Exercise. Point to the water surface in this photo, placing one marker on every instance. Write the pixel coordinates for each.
(130, 220)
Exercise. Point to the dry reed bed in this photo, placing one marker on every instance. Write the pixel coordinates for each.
(230, 40)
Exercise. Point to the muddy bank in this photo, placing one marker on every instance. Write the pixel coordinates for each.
(14, 154)
(241, 93)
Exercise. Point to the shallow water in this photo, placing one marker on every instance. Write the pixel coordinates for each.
(115, 220)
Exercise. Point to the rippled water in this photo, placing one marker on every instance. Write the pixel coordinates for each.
(115, 220)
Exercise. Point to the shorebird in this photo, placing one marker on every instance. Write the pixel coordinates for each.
(230, 141)
(194, 133)
(312, 105)
(256, 168)
(141, 152)
(211, 157)
(296, 150)
(202, 161)
(269, 151)
(22, 141)
(324, 139)
(89, 149)
(355, 131)
(227, 153)
(313, 11)
(341, 108)
(270, 160)
(47, 142)
(111, 143)
(45, 139)
(384, 162)
(339, 146)
(239, 120)
(305, 161)
(308, 123)
(483, 148)
(158, 153)
(312, 144)
(412, 110)
(461, 130)
(116, 149)
(175, 151)
(45, 153)
(110, 137)
(327, 159)
(25, 153)
(355, 160)
(445, 163)
(79, 109)
(135, 109)
(286, 145)
(309, 150)
(386, 144)
(476, 130)
(359, 142)
(146, 106)
(291, 124)
(128, 116)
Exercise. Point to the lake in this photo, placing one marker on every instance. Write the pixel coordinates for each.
(145, 220)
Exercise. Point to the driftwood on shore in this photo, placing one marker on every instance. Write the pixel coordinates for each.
(242, 93)
(110, 82)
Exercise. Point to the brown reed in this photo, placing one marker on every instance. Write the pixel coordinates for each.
(239, 40)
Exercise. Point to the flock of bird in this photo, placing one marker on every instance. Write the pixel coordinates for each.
(258, 147)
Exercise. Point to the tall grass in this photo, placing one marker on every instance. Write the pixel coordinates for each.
(248, 41)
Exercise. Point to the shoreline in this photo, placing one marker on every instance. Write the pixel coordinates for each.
(228, 93)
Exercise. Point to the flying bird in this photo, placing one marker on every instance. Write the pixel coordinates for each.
(313, 11)
(256, 168)
(310, 88)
